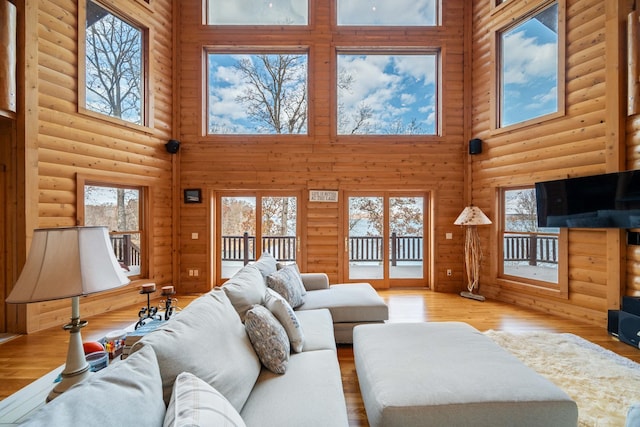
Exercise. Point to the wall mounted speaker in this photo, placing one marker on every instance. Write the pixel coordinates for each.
(172, 146)
(475, 146)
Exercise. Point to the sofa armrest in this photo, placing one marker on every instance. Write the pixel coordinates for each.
(315, 281)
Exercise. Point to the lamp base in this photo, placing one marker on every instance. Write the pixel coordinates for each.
(469, 295)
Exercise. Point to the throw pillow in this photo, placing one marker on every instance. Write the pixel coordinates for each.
(287, 282)
(129, 393)
(196, 403)
(297, 270)
(269, 339)
(208, 340)
(245, 289)
(287, 317)
(267, 264)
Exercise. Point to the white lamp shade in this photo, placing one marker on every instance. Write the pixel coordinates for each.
(472, 215)
(68, 262)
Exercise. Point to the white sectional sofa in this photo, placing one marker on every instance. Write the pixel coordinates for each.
(238, 355)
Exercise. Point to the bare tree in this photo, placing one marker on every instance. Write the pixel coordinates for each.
(524, 211)
(113, 65)
(276, 95)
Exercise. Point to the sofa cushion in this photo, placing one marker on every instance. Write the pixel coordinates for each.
(287, 282)
(352, 302)
(127, 393)
(309, 395)
(287, 317)
(269, 339)
(318, 329)
(245, 289)
(196, 403)
(267, 264)
(208, 340)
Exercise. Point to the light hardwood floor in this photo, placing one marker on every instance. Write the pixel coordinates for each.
(24, 359)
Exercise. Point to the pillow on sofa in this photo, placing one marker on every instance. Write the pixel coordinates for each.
(267, 264)
(196, 403)
(127, 393)
(287, 318)
(280, 266)
(208, 340)
(245, 289)
(288, 283)
(269, 339)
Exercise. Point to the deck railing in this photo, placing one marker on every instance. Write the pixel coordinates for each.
(127, 253)
(283, 248)
(533, 248)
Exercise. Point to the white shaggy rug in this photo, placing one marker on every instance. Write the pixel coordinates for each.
(602, 383)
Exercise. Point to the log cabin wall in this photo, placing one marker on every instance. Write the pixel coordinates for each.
(321, 160)
(587, 139)
(57, 143)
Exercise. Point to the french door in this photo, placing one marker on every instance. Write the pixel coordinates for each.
(385, 238)
(250, 223)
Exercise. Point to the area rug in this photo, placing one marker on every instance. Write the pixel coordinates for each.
(602, 383)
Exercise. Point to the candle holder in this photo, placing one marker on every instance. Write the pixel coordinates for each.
(169, 307)
(147, 313)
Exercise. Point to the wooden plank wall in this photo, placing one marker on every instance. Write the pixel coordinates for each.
(322, 160)
(60, 143)
(584, 141)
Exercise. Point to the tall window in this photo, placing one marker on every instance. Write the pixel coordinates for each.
(262, 93)
(120, 209)
(387, 94)
(114, 65)
(529, 254)
(388, 12)
(529, 67)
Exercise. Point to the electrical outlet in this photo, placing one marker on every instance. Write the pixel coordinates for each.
(196, 272)
(190, 273)
(449, 236)
(449, 272)
(194, 236)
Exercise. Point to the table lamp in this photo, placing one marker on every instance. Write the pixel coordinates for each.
(471, 217)
(68, 263)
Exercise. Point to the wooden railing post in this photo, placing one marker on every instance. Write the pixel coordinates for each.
(126, 249)
(394, 248)
(245, 248)
(533, 249)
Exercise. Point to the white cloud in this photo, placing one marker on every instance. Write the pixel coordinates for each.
(387, 12)
(525, 59)
(258, 12)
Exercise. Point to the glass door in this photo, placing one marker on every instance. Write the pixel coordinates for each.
(385, 242)
(243, 216)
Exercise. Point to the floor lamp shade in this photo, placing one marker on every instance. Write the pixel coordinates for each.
(69, 263)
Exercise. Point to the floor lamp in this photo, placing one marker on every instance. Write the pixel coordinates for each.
(471, 217)
(68, 263)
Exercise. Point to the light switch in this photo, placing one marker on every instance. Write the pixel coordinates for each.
(449, 236)
(194, 236)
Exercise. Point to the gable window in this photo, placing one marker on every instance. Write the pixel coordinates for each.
(388, 12)
(120, 209)
(257, 93)
(248, 12)
(387, 94)
(530, 255)
(114, 58)
(530, 80)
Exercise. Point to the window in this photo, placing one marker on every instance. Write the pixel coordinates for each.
(114, 66)
(245, 12)
(388, 12)
(387, 94)
(261, 93)
(529, 71)
(120, 209)
(530, 254)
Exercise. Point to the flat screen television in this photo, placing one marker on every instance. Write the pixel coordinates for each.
(609, 200)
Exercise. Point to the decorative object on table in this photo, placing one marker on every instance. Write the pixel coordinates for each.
(135, 335)
(113, 343)
(97, 360)
(471, 217)
(170, 304)
(69, 263)
(147, 313)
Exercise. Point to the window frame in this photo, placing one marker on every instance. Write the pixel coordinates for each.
(144, 218)
(523, 284)
(504, 23)
(146, 102)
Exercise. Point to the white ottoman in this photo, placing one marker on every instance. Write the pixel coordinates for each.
(450, 374)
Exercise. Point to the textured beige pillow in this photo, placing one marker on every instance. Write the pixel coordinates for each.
(269, 339)
(288, 283)
(196, 403)
(245, 289)
(287, 317)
